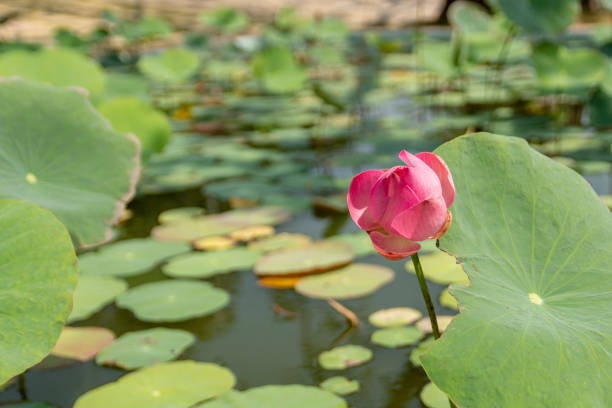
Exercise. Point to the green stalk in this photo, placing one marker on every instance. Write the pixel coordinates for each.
(425, 291)
(428, 303)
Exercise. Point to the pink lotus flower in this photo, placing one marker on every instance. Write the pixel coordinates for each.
(403, 205)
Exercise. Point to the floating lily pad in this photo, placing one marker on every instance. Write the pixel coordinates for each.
(39, 274)
(205, 265)
(130, 257)
(541, 17)
(395, 316)
(82, 343)
(129, 114)
(340, 385)
(179, 214)
(279, 282)
(440, 267)
(314, 258)
(359, 241)
(343, 357)
(178, 384)
(146, 347)
(278, 70)
(418, 351)
(252, 233)
(433, 397)
(225, 19)
(448, 300)
(425, 324)
(213, 243)
(174, 300)
(174, 65)
(283, 240)
(54, 66)
(219, 224)
(353, 281)
(68, 159)
(277, 396)
(394, 337)
(534, 282)
(93, 293)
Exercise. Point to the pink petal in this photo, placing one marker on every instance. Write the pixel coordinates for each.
(436, 163)
(393, 247)
(358, 198)
(421, 221)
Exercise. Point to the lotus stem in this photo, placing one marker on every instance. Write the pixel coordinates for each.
(425, 291)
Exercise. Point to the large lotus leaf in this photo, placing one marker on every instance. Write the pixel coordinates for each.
(54, 66)
(278, 70)
(178, 384)
(469, 18)
(560, 68)
(173, 300)
(207, 264)
(82, 343)
(174, 65)
(146, 347)
(122, 84)
(313, 258)
(225, 19)
(130, 257)
(129, 114)
(534, 238)
(277, 396)
(39, 274)
(353, 281)
(63, 155)
(541, 16)
(93, 293)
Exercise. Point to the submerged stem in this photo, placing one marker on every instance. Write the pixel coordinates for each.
(425, 291)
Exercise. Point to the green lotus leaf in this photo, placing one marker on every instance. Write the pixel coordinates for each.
(277, 396)
(177, 384)
(67, 158)
(340, 385)
(469, 18)
(82, 343)
(440, 267)
(147, 347)
(433, 397)
(148, 27)
(54, 66)
(174, 65)
(129, 114)
(313, 258)
(179, 214)
(130, 257)
(354, 281)
(394, 337)
(278, 70)
(395, 316)
(93, 293)
(173, 300)
(207, 264)
(39, 274)
(563, 69)
(600, 107)
(536, 316)
(541, 16)
(284, 240)
(343, 357)
(225, 19)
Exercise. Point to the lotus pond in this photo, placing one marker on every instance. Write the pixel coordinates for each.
(174, 229)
